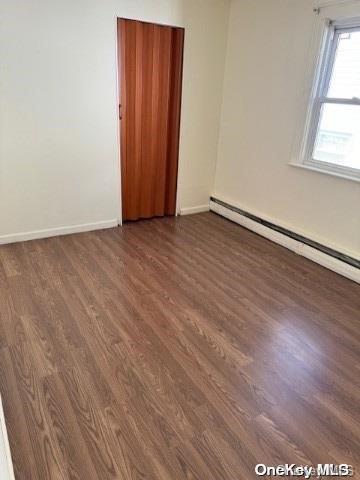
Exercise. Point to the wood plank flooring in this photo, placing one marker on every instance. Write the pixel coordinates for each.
(185, 348)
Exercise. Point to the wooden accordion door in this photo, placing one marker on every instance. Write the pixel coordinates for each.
(150, 73)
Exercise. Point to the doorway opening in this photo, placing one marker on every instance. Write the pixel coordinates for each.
(150, 63)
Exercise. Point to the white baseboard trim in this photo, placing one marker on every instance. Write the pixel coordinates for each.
(296, 246)
(6, 465)
(54, 232)
(191, 210)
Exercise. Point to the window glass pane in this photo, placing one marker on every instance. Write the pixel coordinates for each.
(345, 79)
(338, 137)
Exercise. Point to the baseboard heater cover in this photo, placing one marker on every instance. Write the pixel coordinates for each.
(6, 466)
(325, 256)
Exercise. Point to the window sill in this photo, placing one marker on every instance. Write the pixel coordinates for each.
(326, 172)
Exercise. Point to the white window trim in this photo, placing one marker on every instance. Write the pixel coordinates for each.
(326, 31)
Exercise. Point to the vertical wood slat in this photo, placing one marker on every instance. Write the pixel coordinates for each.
(174, 118)
(163, 119)
(148, 122)
(154, 98)
(139, 79)
(150, 71)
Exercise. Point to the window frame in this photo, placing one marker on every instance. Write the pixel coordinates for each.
(325, 68)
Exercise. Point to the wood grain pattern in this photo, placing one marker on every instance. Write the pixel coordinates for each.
(150, 73)
(175, 348)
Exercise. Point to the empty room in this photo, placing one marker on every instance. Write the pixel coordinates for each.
(179, 239)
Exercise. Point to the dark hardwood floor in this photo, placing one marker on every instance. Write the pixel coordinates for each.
(185, 348)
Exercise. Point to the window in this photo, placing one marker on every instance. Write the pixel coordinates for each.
(333, 137)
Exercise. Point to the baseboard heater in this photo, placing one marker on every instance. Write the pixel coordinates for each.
(325, 256)
(6, 466)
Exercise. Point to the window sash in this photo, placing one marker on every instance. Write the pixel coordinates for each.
(330, 60)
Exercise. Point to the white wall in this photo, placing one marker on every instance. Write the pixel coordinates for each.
(266, 89)
(58, 107)
(6, 466)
